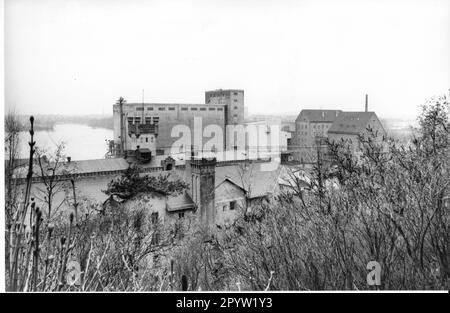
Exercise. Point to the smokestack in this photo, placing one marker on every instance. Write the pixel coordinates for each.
(367, 103)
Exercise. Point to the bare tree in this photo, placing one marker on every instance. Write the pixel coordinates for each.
(12, 162)
(387, 207)
(51, 167)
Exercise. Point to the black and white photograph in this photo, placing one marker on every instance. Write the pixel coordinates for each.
(237, 149)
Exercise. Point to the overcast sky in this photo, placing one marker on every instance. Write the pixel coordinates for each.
(78, 57)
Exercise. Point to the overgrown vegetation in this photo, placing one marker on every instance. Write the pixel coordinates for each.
(90, 247)
(133, 183)
(387, 206)
(385, 203)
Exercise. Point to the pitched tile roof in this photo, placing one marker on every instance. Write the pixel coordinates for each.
(351, 122)
(323, 116)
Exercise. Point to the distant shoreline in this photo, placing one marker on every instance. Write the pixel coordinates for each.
(48, 122)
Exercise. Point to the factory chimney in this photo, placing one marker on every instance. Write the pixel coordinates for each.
(367, 103)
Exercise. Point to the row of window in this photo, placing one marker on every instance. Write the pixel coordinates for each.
(148, 120)
(159, 109)
(182, 109)
(320, 126)
(201, 109)
(221, 95)
(135, 140)
(314, 126)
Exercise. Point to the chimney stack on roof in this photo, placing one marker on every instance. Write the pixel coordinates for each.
(367, 103)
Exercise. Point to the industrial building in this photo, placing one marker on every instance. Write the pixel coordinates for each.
(314, 127)
(145, 129)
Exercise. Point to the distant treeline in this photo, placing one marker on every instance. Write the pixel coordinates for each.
(48, 122)
(101, 122)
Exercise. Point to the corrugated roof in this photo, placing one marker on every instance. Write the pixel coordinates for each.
(78, 167)
(99, 165)
(351, 122)
(317, 116)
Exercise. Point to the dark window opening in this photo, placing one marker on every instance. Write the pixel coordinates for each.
(232, 205)
(154, 218)
(155, 238)
(159, 151)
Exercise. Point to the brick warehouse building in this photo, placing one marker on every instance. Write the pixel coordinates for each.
(147, 127)
(313, 127)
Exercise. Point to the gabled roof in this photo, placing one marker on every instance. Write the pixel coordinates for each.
(253, 179)
(351, 122)
(319, 116)
(230, 181)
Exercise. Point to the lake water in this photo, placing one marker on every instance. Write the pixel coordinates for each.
(82, 142)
